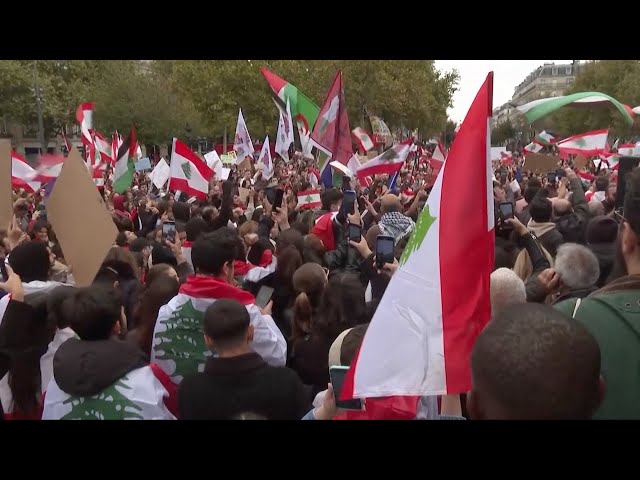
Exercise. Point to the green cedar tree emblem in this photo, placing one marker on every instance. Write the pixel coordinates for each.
(183, 341)
(186, 168)
(111, 404)
(422, 227)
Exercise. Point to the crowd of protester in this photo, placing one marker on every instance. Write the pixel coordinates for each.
(560, 344)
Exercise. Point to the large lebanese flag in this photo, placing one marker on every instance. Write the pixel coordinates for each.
(178, 343)
(189, 173)
(22, 174)
(388, 162)
(430, 315)
(590, 143)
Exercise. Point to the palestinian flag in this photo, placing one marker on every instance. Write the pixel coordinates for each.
(124, 167)
(590, 143)
(178, 341)
(303, 111)
(189, 173)
(538, 109)
(425, 328)
(544, 138)
(139, 395)
(309, 199)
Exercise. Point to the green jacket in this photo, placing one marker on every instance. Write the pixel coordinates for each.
(612, 315)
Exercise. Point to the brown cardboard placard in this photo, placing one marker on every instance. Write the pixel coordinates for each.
(581, 162)
(80, 219)
(539, 163)
(243, 193)
(6, 198)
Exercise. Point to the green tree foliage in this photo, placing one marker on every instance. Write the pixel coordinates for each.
(617, 78)
(450, 132)
(403, 92)
(503, 133)
(188, 98)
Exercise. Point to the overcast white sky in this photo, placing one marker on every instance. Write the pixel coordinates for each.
(507, 74)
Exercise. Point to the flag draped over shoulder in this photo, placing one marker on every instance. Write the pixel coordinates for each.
(189, 173)
(139, 395)
(178, 345)
(438, 301)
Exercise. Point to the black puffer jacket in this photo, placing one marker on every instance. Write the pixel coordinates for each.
(83, 368)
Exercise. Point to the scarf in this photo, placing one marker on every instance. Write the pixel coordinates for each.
(396, 225)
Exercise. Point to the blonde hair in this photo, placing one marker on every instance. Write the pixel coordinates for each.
(524, 268)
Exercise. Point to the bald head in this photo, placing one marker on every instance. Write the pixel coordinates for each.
(390, 203)
(532, 362)
(562, 207)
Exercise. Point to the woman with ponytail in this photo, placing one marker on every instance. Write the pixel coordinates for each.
(308, 351)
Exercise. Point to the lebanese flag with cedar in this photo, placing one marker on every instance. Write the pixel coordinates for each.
(309, 199)
(189, 173)
(425, 328)
(590, 143)
(388, 162)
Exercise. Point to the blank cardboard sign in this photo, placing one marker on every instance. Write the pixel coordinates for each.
(6, 199)
(80, 219)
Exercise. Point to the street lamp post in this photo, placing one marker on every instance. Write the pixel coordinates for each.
(38, 94)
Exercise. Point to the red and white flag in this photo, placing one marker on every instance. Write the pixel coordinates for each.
(331, 132)
(104, 151)
(309, 199)
(22, 174)
(242, 143)
(48, 168)
(506, 158)
(84, 115)
(424, 326)
(388, 162)
(363, 138)
(439, 154)
(189, 173)
(533, 147)
(629, 149)
(265, 163)
(590, 143)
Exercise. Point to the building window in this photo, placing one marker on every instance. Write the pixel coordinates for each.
(569, 80)
(542, 80)
(554, 71)
(554, 94)
(542, 93)
(568, 70)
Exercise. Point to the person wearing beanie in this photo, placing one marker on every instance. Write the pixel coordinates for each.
(601, 236)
